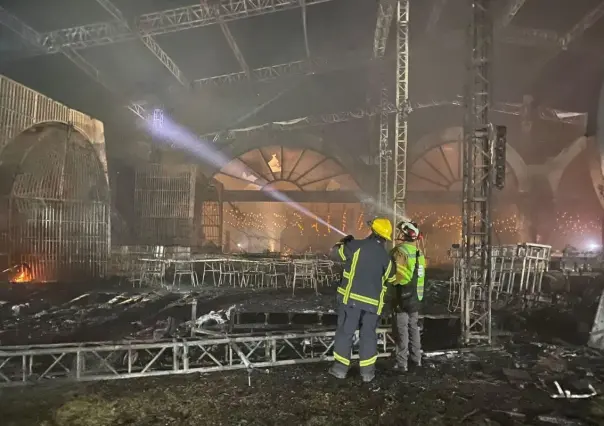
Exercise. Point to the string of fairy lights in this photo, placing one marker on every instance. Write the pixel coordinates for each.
(566, 224)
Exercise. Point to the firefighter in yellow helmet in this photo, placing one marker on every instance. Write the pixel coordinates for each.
(368, 269)
(408, 293)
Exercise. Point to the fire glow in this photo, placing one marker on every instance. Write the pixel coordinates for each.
(22, 274)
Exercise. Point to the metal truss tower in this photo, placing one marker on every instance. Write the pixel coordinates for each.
(382, 29)
(477, 178)
(402, 108)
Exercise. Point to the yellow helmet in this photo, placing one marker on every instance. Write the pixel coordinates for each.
(382, 227)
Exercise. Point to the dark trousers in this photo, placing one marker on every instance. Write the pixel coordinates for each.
(351, 319)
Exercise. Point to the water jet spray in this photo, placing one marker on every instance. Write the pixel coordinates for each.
(185, 140)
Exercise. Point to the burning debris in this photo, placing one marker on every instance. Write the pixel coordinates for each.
(20, 274)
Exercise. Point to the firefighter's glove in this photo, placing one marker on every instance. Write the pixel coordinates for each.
(347, 239)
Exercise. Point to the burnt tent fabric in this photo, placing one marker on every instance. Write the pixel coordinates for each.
(55, 204)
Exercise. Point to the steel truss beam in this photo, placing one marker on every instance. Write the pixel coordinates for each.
(109, 361)
(509, 12)
(382, 30)
(576, 32)
(296, 68)
(32, 37)
(477, 177)
(165, 21)
(403, 109)
(588, 21)
(147, 40)
(385, 151)
(301, 122)
(382, 27)
(197, 15)
(215, 10)
(263, 74)
(235, 49)
(345, 116)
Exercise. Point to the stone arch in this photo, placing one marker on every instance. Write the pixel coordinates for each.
(55, 211)
(455, 134)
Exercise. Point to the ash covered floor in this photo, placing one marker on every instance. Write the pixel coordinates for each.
(63, 314)
(511, 386)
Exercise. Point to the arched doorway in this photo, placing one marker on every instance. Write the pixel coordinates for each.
(55, 204)
(313, 180)
(434, 187)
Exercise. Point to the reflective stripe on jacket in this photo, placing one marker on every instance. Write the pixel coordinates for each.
(368, 269)
(410, 269)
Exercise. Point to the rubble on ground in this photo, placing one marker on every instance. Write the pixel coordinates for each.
(519, 383)
(66, 315)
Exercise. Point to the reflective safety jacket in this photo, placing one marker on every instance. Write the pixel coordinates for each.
(410, 273)
(367, 271)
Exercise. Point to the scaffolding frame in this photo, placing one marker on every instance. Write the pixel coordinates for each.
(402, 109)
(477, 166)
(385, 14)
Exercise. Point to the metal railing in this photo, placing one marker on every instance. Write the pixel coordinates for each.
(23, 365)
(517, 270)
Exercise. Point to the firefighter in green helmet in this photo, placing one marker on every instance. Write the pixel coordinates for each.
(408, 293)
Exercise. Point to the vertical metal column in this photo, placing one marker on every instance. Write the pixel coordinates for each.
(385, 153)
(402, 107)
(477, 178)
(382, 29)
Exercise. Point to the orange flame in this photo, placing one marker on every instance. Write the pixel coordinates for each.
(24, 276)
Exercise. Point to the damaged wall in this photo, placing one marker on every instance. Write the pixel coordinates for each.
(55, 210)
(165, 203)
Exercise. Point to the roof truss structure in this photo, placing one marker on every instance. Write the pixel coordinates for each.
(32, 38)
(382, 27)
(200, 15)
(572, 35)
(147, 40)
(166, 21)
(511, 9)
(146, 26)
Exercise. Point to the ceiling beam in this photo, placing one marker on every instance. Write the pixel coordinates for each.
(32, 38)
(576, 32)
(507, 108)
(382, 27)
(299, 69)
(235, 49)
(510, 10)
(215, 11)
(584, 24)
(165, 21)
(302, 67)
(305, 27)
(148, 41)
(435, 13)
